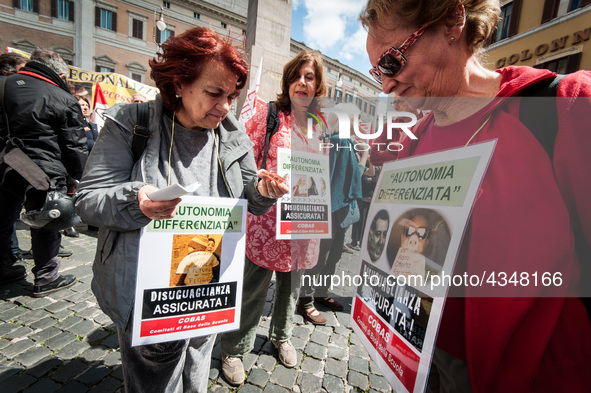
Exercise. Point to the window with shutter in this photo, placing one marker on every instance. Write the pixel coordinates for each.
(562, 65)
(163, 36)
(138, 29)
(504, 23)
(71, 6)
(25, 5)
(99, 68)
(114, 24)
(515, 14)
(550, 10)
(63, 9)
(105, 19)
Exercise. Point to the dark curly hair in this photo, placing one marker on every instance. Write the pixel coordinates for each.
(184, 57)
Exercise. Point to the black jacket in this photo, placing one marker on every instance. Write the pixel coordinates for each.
(45, 121)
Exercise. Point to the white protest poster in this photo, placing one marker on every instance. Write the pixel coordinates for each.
(189, 280)
(419, 211)
(304, 213)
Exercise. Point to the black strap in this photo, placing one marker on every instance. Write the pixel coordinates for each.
(141, 132)
(272, 127)
(2, 87)
(539, 114)
(6, 141)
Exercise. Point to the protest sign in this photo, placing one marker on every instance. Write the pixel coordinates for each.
(304, 213)
(189, 280)
(419, 211)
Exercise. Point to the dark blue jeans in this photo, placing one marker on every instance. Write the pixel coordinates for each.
(14, 247)
(45, 244)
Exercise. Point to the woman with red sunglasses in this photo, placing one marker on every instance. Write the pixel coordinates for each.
(531, 212)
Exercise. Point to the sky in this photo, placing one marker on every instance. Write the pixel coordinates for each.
(332, 27)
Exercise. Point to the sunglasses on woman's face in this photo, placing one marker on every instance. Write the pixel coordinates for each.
(393, 61)
(422, 233)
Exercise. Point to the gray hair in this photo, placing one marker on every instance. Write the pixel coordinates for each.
(139, 96)
(50, 59)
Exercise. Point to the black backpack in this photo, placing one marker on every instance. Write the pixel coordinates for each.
(272, 127)
(541, 118)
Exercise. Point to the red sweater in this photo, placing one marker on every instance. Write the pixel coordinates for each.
(526, 213)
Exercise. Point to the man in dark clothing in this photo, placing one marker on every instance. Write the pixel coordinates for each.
(10, 63)
(44, 120)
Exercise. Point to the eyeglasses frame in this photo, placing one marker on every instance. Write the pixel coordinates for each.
(398, 53)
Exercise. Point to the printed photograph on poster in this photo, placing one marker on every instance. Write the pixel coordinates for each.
(418, 244)
(304, 213)
(195, 259)
(190, 269)
(301, 187)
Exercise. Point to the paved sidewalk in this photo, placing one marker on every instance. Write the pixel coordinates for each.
(65, 343)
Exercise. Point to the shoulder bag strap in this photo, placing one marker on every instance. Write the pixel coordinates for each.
(540, 115)
(272, 127)
(141, 131)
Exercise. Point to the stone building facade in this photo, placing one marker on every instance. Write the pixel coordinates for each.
(122, 35)
(552, 34)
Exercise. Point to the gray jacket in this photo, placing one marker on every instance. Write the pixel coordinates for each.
(107, 197)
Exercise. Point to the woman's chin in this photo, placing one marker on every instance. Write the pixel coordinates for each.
(301, 102)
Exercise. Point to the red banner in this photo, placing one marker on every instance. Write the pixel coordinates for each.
(401, 359)
(186, 322)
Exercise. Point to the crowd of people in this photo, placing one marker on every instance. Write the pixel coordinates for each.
(427, 57)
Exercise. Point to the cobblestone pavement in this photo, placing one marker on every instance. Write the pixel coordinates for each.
(65, 343)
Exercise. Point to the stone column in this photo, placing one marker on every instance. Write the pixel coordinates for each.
(268, 34)
(84, 36)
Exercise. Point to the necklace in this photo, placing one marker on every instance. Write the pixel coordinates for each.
(478, 130)
(170, 150)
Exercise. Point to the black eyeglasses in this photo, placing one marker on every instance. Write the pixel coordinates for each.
(393, 61)
(422, 233)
